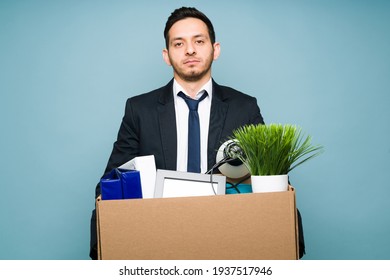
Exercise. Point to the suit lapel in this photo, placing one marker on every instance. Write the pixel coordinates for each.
(217, 122)
(167, 122)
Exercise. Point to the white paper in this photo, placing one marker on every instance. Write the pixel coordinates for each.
(181, 188)
(147, 167)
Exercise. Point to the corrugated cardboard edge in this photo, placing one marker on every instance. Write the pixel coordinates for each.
(296, 223)
(98, 226)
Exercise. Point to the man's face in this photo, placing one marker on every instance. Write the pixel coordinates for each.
(190, 51)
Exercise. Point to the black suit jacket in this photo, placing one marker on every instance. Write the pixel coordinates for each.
(149, 128)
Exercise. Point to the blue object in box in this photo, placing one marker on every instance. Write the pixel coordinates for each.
(121, 184)
(240, 188)
(111, 186)
(131, 183)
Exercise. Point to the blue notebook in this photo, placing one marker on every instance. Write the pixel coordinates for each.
(121, 184)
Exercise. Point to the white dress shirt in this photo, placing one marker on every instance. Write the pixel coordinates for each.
(182, 111)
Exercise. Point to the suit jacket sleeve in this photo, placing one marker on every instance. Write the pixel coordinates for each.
(127, 144)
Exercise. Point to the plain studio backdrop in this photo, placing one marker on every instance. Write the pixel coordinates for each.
(67, 68)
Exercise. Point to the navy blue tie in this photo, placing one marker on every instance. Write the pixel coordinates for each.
(193, 161)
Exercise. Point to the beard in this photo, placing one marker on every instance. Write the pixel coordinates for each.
(193, 74)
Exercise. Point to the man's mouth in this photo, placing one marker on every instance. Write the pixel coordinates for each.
(191, 61)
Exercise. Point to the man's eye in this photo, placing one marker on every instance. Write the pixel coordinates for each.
(178, 44)
(200, 42)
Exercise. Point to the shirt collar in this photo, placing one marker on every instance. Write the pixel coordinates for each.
(206, 87)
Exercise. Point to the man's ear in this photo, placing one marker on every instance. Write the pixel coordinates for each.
(166, 57)
(217, 50)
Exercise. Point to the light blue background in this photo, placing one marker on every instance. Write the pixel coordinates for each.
(67, 67)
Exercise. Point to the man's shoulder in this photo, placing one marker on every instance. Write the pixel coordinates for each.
(158, 94)
(229, 93)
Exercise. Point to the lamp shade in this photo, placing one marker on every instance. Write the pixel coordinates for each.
(234, 169)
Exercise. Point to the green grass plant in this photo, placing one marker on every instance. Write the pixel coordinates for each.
(274, 149)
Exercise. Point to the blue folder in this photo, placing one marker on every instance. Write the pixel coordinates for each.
(121, 184)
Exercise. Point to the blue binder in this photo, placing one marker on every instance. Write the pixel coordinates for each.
(121, 184)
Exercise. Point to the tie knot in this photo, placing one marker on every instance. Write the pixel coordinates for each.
(192, 103)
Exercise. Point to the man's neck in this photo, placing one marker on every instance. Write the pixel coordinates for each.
(193, 88)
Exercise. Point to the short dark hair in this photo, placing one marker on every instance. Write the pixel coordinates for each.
(188, 12)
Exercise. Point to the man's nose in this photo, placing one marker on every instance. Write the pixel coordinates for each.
(190, 49)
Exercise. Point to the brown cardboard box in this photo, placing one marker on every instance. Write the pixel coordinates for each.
(236, 226)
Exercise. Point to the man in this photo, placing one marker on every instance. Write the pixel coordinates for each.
(157, 123)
